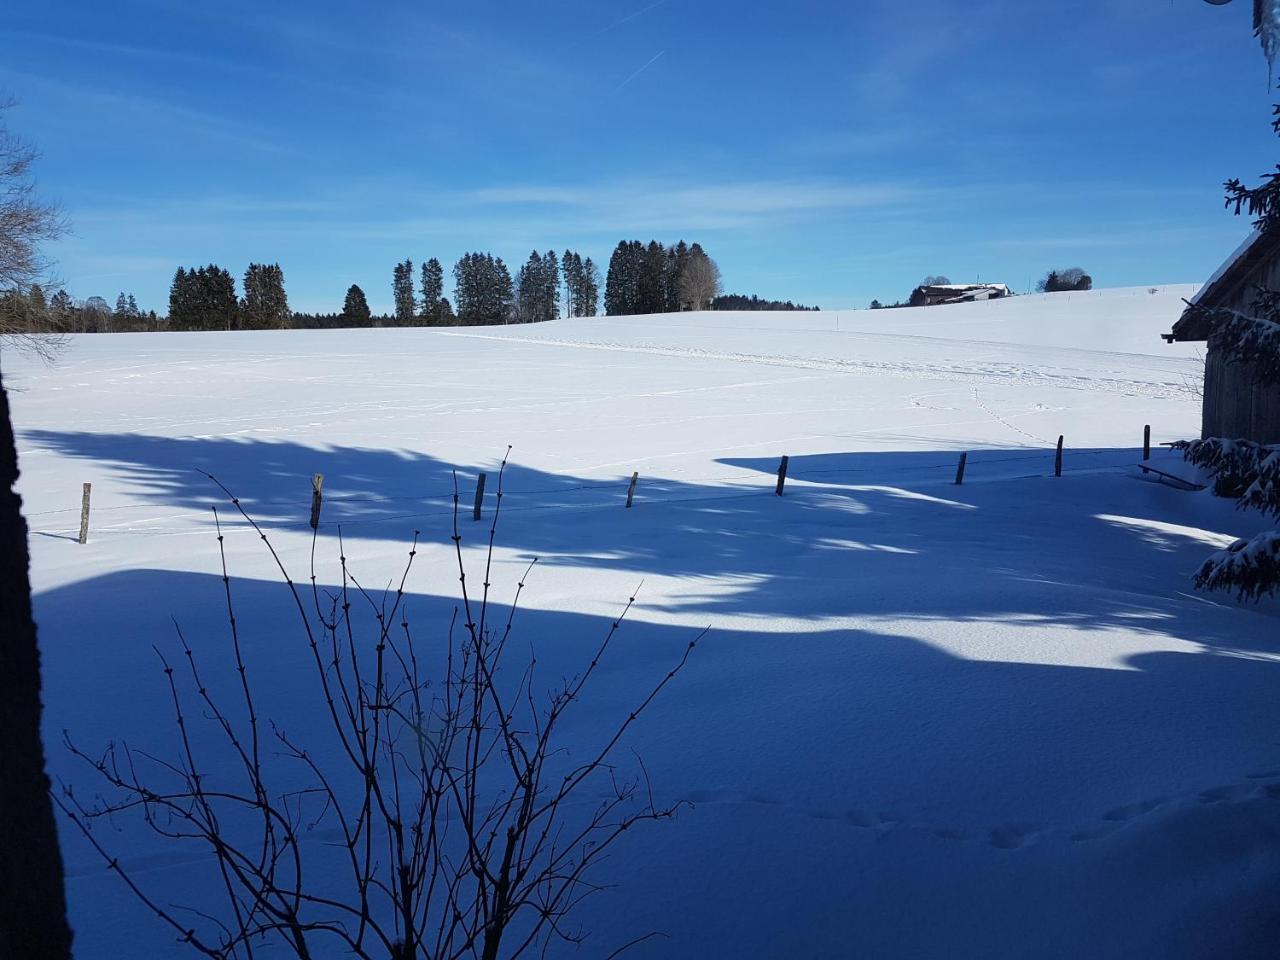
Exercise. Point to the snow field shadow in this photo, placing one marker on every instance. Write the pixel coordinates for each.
(997, 704)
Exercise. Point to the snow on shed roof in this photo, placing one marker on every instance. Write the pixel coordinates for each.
(1231, 261)
(1237, 268)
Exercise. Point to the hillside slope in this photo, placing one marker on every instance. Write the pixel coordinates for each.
(991, 720)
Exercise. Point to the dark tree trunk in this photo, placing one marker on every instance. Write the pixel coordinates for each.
(33, 907)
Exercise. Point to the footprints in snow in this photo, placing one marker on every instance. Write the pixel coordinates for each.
(1010, 836)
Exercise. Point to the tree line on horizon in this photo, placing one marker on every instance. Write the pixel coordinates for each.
(642, 279)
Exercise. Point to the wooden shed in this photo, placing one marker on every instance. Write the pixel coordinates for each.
(1235, 404)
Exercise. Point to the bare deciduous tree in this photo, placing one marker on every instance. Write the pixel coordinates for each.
(699, 281)
(459, 826)
(26, 224)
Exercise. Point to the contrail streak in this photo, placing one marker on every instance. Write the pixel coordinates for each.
(631, 16)
(652, 60)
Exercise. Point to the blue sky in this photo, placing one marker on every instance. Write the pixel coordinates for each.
(824, 152)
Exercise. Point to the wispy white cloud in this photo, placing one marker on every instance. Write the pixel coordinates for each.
(708, 205)
(150, 110)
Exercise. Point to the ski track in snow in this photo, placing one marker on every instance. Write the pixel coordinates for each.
(993, 372)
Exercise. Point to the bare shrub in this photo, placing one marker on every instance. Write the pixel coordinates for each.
(462, 825)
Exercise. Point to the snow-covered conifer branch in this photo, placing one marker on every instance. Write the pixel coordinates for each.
(1250, 567)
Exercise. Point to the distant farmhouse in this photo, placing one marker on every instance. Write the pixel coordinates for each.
(935, 294)
(1236, 405)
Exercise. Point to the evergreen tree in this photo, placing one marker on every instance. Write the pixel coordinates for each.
(355, 308)
(180, 307)
(122, 308)
(571, 271)
(61, 310)
(224, 308)
(650, 294)
(501, 296)
(432, 291)
(550, 285)
(482, 289)
(589, 290)
(264, 305)
(402, 292)
(209, 301)
(677, 260)
(529, 291)
(132, 306)
(621, 289)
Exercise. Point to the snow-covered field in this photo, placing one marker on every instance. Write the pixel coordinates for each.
(929, 721)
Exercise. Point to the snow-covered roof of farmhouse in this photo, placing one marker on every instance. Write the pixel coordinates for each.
(958, 287)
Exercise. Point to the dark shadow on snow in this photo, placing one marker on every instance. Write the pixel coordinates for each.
(855, 535)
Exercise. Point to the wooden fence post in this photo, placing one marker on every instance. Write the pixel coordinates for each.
(1146, 442)
(479, 496)
(782, 475)
(84, 513)
(964, 457)
(631, 489)
(317, 497)
(1057, 460)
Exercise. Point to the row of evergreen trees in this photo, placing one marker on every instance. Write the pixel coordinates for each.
(738, 301)
(485, 292)
(204, 298)
(655, 278)
(538, 283)
(431, 308)
(642, 279)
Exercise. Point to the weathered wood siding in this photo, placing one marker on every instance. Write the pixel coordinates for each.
(1234, 404)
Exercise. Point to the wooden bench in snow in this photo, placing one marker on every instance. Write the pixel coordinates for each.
(1162, 477)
